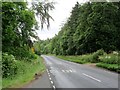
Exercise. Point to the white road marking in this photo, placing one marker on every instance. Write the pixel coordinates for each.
(70, 70)
(67, 71)
(53, 86)
(63, 71)
(91, 77)
(50, 78)
(51, 82)
(49, 75)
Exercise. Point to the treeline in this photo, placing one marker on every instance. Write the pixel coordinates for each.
(90, 27)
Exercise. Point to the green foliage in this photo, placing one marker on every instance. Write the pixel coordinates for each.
(77, 59)
(25, 73)
(95, 56)
(104, 60)
(19, 25)
(9, 65)
(90, 27)
(109, 59)
(42, 9)
(112, 67)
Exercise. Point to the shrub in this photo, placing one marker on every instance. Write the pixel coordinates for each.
(22, 53)
(95, 55)
(9, 66)
(86, 58)
(109, 59)
(31, 56)
(38, 52)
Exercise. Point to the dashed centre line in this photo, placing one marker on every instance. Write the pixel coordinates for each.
(91, 77)
(51, 80)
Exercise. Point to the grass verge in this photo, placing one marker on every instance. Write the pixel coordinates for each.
(0, 70)
(76, 59)
(111, 67)
(102, 59)
(25, 74)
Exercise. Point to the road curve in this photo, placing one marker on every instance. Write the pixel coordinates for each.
(65, 74)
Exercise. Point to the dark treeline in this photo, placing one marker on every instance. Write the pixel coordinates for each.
(91, 26)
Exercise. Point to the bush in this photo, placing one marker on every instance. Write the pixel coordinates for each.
(109, 59)
(38, 52)
(86, 58)
(95, 56)
(31, 56)
(9, 66)
(22, 53)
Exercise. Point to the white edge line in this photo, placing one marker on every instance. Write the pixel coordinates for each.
(53, 86)
(50, 78)
(51, 82)
(63, 71)
(91, 77)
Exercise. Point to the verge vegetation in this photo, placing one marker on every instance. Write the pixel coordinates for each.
(109, 61)
(19, 72)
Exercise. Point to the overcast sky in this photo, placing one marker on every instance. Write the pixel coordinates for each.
(60, 14)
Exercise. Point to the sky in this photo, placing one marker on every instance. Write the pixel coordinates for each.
(60, 14)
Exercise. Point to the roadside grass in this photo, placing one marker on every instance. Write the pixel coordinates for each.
(110, 62)
(102, 59)
(76, 59)
(25, 73)
(0, 83)
(0, 70)
(111, 67)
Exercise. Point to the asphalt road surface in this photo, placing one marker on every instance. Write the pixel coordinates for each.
(65, 74)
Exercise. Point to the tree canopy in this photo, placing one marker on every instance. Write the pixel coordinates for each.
(90, 27)
(19, 25)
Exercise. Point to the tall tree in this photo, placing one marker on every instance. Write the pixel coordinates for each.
(19, 25)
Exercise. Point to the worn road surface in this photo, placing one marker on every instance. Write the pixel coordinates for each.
(65, 74)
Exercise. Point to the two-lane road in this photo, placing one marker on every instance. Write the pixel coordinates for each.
(65, 74)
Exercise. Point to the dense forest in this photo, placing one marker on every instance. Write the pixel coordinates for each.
(90, 27)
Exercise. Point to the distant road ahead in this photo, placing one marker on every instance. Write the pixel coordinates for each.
(65, 74)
